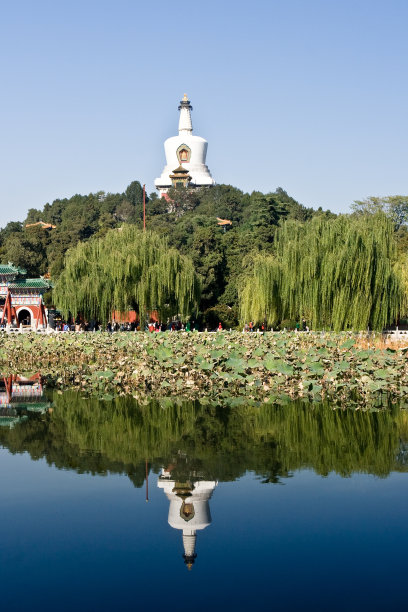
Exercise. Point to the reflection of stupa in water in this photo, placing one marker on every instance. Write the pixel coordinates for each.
(20, 395)
(189, 509)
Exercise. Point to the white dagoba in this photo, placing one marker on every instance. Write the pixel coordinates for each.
(189, 509)
(184, 152)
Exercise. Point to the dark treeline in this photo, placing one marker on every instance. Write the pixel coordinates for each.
(189, 223)
(214, 442)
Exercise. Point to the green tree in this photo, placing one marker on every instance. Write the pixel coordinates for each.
(125, 212)
(33, 216)
(338, 273)
(134, 193)
(261, 218)
(126, 269)
(28, 249)
(395, 207)
(208, 258)
(181, 200)
(221, 313)
(11, 228)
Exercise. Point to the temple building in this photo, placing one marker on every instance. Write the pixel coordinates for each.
(185, 156)
(189, 509)
(21, 298)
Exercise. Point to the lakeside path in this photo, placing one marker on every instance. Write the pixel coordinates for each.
(347, 368)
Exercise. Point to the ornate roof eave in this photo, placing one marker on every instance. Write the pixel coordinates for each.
(30, 283)
(10, 269)
(180, 170)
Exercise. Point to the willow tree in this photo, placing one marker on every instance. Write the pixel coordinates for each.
(126, 269)
(339, 273)
(260, 295)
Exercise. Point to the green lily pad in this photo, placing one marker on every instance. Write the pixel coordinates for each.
(382, 374)
(348, 344)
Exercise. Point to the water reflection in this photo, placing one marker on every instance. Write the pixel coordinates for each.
(218, 443)
(98, 537)
(198, 444)
(19, 396)
(189, 508)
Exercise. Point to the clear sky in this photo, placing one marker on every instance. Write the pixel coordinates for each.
(309, 95)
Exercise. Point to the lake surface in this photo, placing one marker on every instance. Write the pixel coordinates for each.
(285, 508)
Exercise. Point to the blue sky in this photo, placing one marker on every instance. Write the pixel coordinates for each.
(309, 95)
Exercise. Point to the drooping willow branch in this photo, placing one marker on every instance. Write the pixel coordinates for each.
(126, 269)
(339, 273)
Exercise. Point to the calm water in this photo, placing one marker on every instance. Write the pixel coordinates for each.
(283, 508)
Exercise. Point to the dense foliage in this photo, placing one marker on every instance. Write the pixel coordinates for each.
(222, 255)
(126, 269)
(189, 222)
(337, 273)
(395, 207)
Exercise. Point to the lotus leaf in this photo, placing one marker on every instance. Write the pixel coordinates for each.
(316, 368)
(277, 365)
(206, 365)
(253, 363)
(384, 374)
(235, 363)
(342, 366)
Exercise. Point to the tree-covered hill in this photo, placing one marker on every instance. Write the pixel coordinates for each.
(188, 220)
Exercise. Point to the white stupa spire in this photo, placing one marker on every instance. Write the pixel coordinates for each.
(186, 151)
(185, 124)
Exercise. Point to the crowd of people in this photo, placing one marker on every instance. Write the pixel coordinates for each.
(80, 325)
(171, 326)
(115, 326)
(157, 326)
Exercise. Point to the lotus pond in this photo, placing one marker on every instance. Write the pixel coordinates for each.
(349, 369)
(293, 506)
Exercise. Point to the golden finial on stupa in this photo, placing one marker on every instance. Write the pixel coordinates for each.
(185, 98)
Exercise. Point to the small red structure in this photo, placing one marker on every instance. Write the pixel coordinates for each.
(21, 298)
(131, 316)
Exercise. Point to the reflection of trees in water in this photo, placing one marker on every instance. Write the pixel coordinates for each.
(211, 442)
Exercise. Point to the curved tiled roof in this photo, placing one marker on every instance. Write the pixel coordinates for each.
(29, 283)
(180, 170)
(11, 269)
